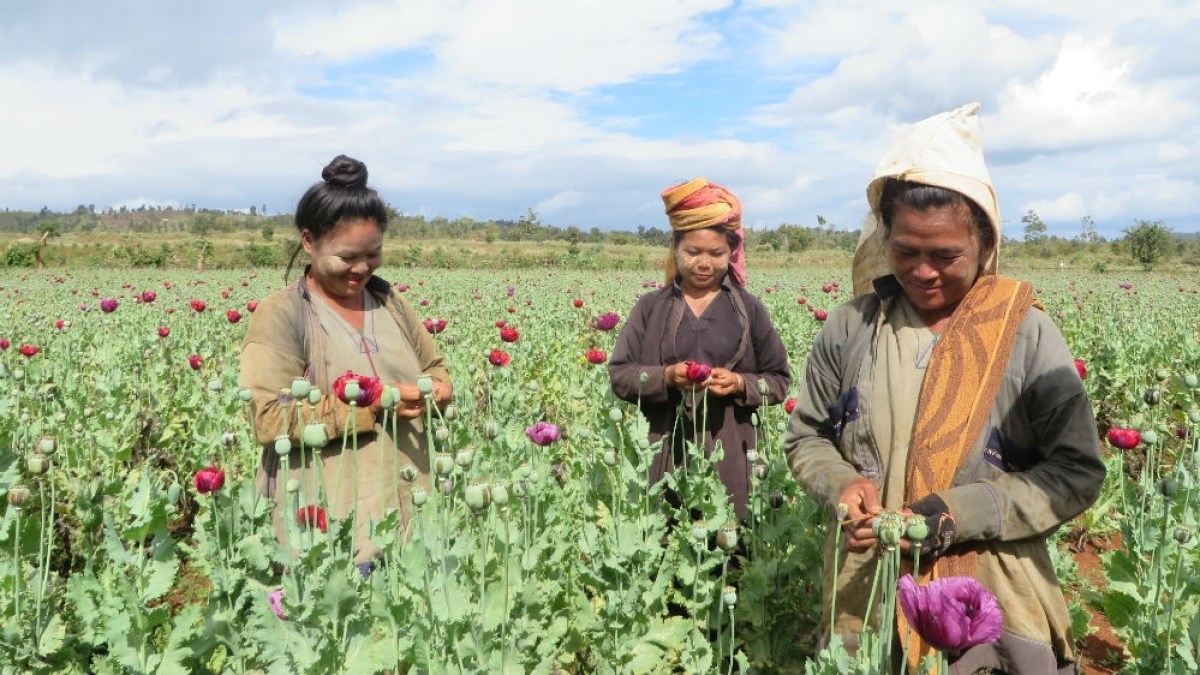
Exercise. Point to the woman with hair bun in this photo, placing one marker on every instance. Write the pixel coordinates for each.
(338, 317)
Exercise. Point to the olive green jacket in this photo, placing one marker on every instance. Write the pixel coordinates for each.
(1035, 466)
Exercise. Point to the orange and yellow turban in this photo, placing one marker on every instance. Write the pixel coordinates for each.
(699, 204)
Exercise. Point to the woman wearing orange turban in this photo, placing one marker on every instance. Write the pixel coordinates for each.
(700, 355)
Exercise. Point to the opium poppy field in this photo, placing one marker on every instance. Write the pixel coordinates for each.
(133, 540)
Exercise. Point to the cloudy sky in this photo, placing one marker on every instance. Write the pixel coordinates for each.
(584, 110)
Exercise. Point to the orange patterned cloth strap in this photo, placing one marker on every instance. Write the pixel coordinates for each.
(960, 386)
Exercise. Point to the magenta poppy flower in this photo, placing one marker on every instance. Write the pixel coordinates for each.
(820, 315)
(543, 433)
(606, 321)
(369, 388)
(952, 613)
(596, 356)
(1081, 368)
(108, 305)
(195, 361)
(209, 480)
(251, 306)
(4, 344)
(149, 296)
(275, 600)
(698, 372)
(1125, 439)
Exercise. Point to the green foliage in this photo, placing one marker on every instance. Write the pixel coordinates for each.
(1149, 242)
(20, 255)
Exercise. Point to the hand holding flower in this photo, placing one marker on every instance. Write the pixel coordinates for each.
(724, 382)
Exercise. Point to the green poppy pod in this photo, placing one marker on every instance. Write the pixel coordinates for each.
(300, 387)
(314, 396)
(1191, 380)
(917, 529)
(499, 493)
(776, 499)
(292, 486)
(228, 438)
(1152, 396)
(46, 445)
(389, 398)
(17, 496)
(245, 395)
(727, 537)
(443, 464)
(477, 495)
(314, 435)
(752, 455)
(408, 472)
(441, 434)
(729, 596)
(450, 413)
(615, 414)
(425, 385)
(699, 531)
(352, 390)
(1149, 437)
(1183, 535)
(283, 445)
(491, 429)
(37, 464)
(418, 495)
(464, 458)
(609, 457)
(174, 490)
(761, 470)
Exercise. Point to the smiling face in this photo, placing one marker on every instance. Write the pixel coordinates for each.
(936, 256)
(344, 259)
(702, 258)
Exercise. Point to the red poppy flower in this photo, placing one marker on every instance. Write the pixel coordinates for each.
(369, 388)
(435, 326)
(149, 296)
(197, 305)
(501, 323)
(312, 516)
(820, 315)
(789, 405)
(4, 344)
(1125, 439)
(209, 480)
(225, 293)
(251, 306)
(499, 358)
(195, 361)
(59, 324)
(596, 356)
(578, 302)
(509, 334)
(108, 305)
(163, 331)
(1081, 368)
(233, 315)
(698, 372)
(29, 350)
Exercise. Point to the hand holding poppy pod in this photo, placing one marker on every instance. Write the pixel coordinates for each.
(861, 501)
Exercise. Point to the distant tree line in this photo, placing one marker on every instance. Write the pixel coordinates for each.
(1145, 243)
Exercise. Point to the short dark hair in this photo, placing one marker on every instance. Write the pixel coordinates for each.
(922, 197)
(342, 194)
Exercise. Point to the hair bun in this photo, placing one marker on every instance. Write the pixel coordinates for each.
(345, 172)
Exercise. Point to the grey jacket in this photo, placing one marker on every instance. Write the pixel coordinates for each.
(1036, 465)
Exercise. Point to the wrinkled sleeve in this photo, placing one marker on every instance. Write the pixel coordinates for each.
(771, 360)
(1067, 480)
(809, 443)
(629, 361)
(273, 356)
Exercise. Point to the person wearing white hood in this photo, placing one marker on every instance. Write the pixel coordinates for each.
(943, 390)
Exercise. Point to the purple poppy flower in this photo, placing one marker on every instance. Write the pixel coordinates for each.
(953, 613)
(275, 599)
(542, 433)
(606, 321)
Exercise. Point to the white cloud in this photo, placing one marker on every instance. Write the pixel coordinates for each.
(584, 110)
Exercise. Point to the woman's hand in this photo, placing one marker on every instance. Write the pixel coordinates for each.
(412, 401)
(861, 499)
(724, 382)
